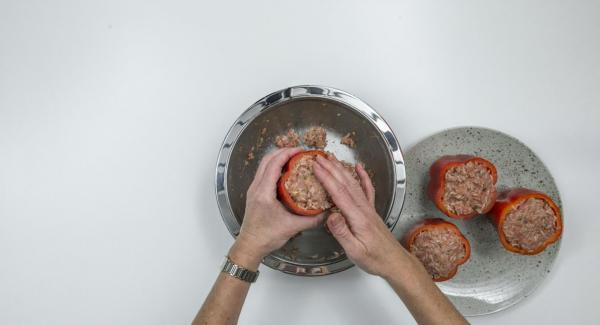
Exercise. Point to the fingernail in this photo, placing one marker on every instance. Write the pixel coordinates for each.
(335, 219)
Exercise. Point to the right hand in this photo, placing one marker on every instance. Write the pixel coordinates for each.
(368, 243)
(359, 229)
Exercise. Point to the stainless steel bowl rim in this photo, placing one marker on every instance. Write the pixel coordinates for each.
(292, 93)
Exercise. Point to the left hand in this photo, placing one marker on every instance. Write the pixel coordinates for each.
(267, 224)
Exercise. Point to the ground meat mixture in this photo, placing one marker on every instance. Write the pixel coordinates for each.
(251, 154)
(469, 187)
(438, 249)
(348, 139)
(316, 137)
(351, 168)
(530, 224)
(304, 188)
(290, 139)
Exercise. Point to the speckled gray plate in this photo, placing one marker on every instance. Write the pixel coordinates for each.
(493, 278)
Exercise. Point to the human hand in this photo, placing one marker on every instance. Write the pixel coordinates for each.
(359, 229)
(267, 224)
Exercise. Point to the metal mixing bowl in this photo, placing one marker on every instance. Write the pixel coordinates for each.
(313, 252)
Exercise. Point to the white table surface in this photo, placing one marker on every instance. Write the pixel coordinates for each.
(112, 114)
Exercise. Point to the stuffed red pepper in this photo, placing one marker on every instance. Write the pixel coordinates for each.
(439, 245)
(462, 186)
(299, 189)
(527, 221)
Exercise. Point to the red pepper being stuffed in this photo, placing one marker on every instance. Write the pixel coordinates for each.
(298, 189)
(439, 245)
(462, 186)
(527, 221)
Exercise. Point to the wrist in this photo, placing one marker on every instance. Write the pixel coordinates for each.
(399, 265)
(245, 254)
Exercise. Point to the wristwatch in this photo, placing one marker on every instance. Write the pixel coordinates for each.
(239, 272)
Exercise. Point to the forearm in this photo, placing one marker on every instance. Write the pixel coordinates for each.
(422, 297)
(226, 298)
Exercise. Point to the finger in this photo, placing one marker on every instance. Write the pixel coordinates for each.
(258, 176)
(302, 223)
(339, 192)
(273, 168)
(261, 170)
(365, 183)
(347, 180)
(333, 169)
(339, 229)
(264, 162)
(343, 170)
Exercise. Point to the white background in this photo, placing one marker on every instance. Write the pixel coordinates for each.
(112, 114)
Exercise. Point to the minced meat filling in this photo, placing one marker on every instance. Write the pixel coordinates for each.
(529, 224)
(438, 249)
(469, 188)
(351, 168)
(348, 139)
(304, 188)
(316, 137)
(289, 140)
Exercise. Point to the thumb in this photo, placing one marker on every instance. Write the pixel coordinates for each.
(337, 225)
(305, 223)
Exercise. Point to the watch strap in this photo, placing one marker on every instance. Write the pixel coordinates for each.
(239, 272)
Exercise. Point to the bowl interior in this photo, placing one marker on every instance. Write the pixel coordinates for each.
(317, 246)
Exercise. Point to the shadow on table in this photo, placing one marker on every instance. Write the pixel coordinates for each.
(348, 296)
